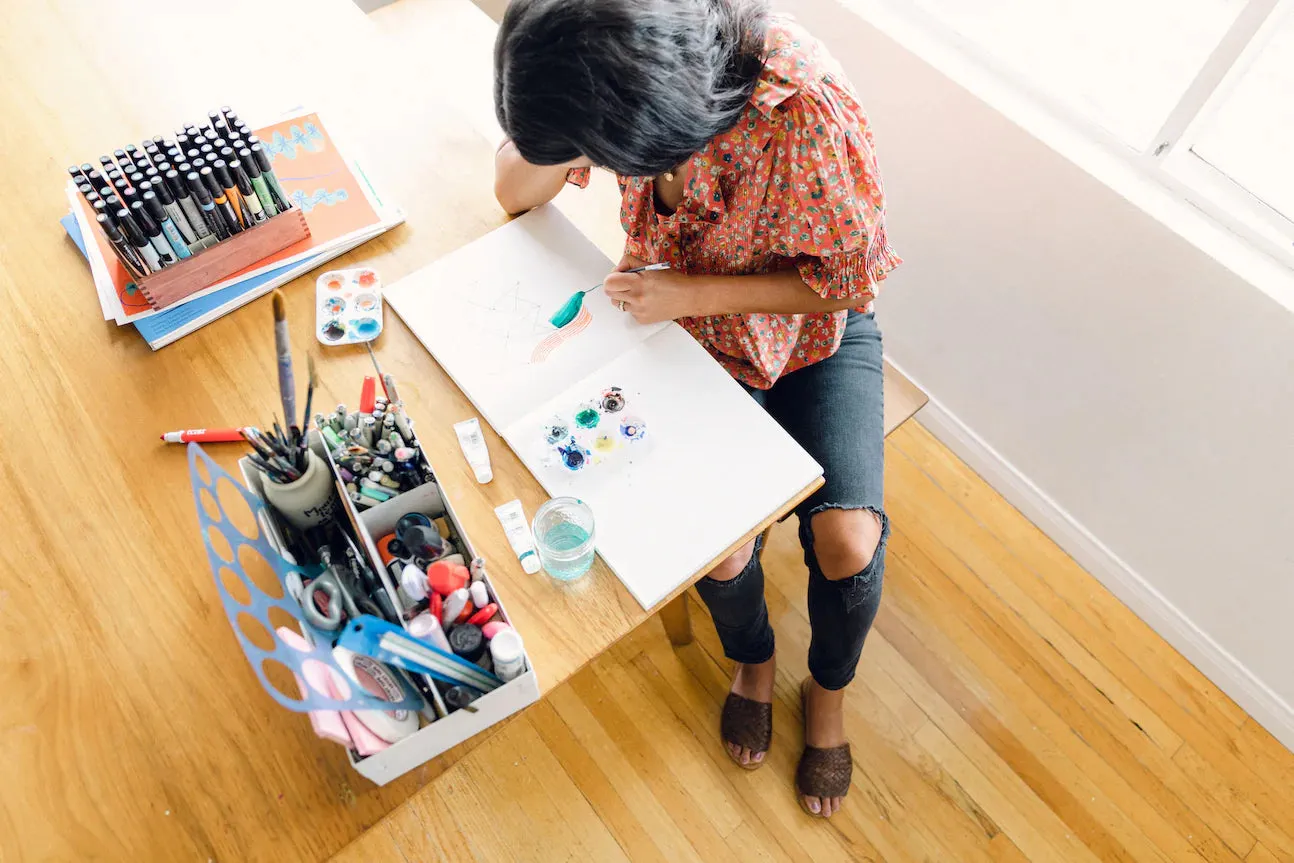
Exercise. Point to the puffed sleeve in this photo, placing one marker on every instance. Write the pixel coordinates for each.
(826, 183)
(578, 177)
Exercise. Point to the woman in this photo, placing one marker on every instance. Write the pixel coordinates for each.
(745, 162)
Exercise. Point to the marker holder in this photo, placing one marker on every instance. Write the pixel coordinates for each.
(217, 263)
(449, 728)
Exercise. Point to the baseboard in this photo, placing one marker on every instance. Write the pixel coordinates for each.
(1213, 660)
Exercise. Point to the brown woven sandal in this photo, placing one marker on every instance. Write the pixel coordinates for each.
(747, 723)
(822, 772)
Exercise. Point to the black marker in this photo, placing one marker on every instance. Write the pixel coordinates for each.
(223, 206)
(129, 197)
(192, 213)
(267, 173)
(102, 208)
(120, 185)
(214, 221)
(137, 239)
(136, 178)
(107, 194)
(77, 175)
(87, 191)
(175, 213)
(174, 239)
(252, 204)
(225, 179)
(212, 118)
(153, 231)
(125, 253)
(96, 179)
(262, 189)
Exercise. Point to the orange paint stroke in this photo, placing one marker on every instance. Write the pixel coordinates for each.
(559, 338)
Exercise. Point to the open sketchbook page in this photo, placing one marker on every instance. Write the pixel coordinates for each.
(483, 313)
(712, 465)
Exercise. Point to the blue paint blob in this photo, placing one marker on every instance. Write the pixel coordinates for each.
(574, 457)
(366, 328)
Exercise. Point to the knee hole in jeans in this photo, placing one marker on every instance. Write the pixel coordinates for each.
(733, 565)
(845, 541)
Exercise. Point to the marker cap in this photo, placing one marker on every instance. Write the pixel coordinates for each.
(154, 206)
(131, 149)
(221, 171)
(241, 179)
(212, 184)
(86, 191)
(119, 154)
(108, 228)
(262, 158)
(199, 163)
(246, 159)
(130, 228)
(136, 177)
(101, 208)
(198, 187)
(129, 196)
(144, 219)
(163, 189)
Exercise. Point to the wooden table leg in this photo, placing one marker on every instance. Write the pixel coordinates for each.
(677, 620)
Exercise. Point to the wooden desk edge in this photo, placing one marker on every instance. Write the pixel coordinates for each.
(672, 610)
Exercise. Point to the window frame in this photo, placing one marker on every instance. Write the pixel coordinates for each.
(1168, 159)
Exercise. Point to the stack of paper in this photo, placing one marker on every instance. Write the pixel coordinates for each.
(340, 206)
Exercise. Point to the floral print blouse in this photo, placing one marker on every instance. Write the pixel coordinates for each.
(794, 183)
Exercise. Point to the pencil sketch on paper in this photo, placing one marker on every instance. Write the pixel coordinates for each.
(520, 326)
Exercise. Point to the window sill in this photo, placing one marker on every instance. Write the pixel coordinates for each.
(1173, 205)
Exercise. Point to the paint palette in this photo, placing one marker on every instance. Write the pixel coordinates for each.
(594, 432)
(348, 306)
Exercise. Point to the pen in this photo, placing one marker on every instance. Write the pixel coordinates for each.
(153, 206)
(223, 207)
(205, 436)
(153, 231)
(129, 259)
(253, 170)
(250, 199)
(220, 170)
(137, 239)
(181, 222)
(214, 221)
(267, 172)
(180, 191)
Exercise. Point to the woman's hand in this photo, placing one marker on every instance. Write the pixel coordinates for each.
(655, 295)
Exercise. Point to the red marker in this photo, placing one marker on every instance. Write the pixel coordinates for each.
(204, 436)
(368, 395)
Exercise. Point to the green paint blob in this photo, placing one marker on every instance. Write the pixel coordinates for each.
(587, 418)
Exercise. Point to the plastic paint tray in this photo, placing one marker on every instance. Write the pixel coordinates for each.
(348, 306)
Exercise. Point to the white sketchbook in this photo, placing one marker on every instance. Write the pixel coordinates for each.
(711, 464)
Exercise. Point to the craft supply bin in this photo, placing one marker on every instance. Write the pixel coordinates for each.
(449, 729)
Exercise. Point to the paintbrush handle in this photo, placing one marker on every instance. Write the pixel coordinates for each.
(287, 386)
(643, 269)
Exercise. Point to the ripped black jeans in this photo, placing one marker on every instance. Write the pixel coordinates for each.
(833, 408)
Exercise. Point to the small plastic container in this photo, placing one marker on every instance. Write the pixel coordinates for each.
(564, 537)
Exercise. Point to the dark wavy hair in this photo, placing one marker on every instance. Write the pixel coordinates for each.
(636, 86)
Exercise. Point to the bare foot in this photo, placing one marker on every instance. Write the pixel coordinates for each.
(824, 727)
(756, 683)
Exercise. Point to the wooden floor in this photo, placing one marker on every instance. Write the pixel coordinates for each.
(1007, 708)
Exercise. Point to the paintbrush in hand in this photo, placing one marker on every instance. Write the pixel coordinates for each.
(571, 307)
(283, 348)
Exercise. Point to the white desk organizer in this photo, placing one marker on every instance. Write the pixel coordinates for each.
(449, 728)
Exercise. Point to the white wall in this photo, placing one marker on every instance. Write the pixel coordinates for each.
(1137, 384)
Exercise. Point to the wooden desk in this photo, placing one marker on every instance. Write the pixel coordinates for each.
(131, 726)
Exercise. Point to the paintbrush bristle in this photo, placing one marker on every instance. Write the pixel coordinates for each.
(280, 306)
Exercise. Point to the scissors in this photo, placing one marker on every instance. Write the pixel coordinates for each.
(332, 583)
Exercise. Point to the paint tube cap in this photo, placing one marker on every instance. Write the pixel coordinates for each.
(262, 158)
(221, 171)
(467, 641)
(249, 163)
(154, 206)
